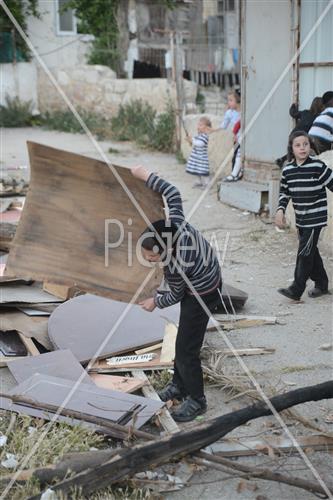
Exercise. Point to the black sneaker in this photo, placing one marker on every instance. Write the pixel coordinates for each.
(288, 293)
(190, 409)
(317, 292)
(171, 391)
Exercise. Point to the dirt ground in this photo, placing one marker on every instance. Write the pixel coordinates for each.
(257, 259)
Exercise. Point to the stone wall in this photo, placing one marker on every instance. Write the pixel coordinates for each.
(327, 234)
(96, 88)
(219, 147)
(19, 80)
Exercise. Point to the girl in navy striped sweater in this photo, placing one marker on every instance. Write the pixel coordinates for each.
(191, 269)
(304, 180)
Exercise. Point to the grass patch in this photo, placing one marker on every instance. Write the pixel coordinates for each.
(24, 432)
(256, 235)
(180, 158)
(114, 151)
(201, 102)
(160, 379)
(23, 436)
(65, 121)
(138, 121)
(16, 113)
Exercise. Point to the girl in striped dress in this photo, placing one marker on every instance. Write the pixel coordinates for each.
(198, 163)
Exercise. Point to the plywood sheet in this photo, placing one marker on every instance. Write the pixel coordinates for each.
(57, 363)
(29, 326)
(83, 324)
(86, 398)
(61, 233)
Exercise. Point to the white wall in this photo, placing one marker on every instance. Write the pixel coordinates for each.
(266, 52)
(56, 50)
(19, 80)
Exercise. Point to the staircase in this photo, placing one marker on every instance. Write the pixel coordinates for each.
(257, 191)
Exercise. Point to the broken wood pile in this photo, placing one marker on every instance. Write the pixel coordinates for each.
(79, 350)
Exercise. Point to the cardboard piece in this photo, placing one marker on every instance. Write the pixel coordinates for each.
(29, 326)
(13, 293)
(84, 325)
(63, 228)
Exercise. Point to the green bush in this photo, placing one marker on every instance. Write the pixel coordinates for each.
(163, 138)
(65, 121)
(134, 122)
(138, 121)
(16, 113)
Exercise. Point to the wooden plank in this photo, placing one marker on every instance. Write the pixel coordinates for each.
(116, 383)
(250, 351)
(247, 447)
(233, 322)
(235, 317)
(169, 343)
(61, 291)
(54, 241)
(149, 349)
(156, 364)
(164, 416)
(29, 344)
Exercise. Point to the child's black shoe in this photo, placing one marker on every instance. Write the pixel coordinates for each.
(288, 293)
(316, 292)
(171, 391)
(190, 409)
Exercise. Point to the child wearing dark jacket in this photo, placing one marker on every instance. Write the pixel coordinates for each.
(304, 180)
(304, 120)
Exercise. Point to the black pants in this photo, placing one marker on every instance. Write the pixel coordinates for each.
(309, 263)
(191, 331)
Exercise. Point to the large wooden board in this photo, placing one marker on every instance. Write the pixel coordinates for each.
(61, 233)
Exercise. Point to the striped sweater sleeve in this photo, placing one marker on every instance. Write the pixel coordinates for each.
(175, 295)
(172, 197)
(176, 215)
(284, 193)
(326, 177)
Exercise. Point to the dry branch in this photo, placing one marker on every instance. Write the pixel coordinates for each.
(265, 474)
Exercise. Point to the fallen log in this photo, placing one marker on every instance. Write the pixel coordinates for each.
(141, 457)
(105, 425)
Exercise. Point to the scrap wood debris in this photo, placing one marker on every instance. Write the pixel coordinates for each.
(70, 323)
(140, 457)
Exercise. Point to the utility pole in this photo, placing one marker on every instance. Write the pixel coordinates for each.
(179, 85)
(175, 38)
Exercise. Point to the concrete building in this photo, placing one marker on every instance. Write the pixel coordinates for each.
(204, 33)
(287, 56)
(55, 38)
